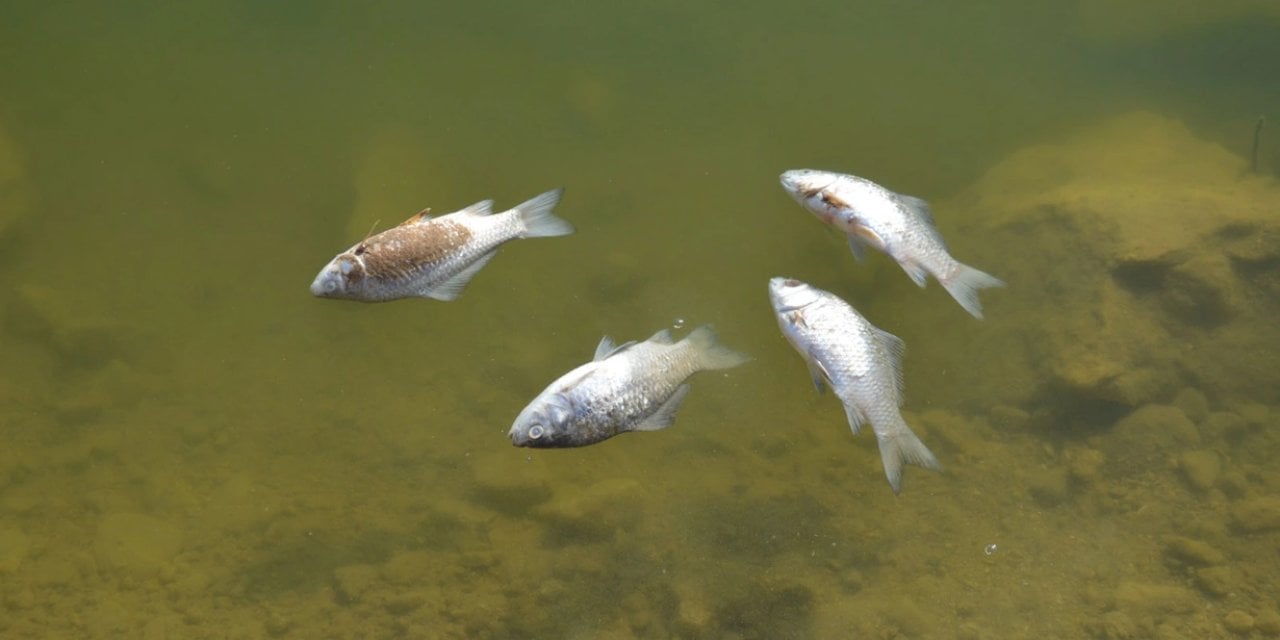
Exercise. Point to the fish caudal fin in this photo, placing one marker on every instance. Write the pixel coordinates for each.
(903, 446)
(537, 219)
(964, 284)
(710, 353)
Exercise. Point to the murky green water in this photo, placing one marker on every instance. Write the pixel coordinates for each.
(191, 446)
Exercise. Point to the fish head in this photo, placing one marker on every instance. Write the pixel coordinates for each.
(341, 278)
(790, 295)
(546, 423)
(806, 184)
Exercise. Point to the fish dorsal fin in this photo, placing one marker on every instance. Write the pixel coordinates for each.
(892, 347)
(450, 289)
(919, 207)
(662, 337)
(921, 210)
(603, 349)
(866, 235)
(665, 416)
(607, 348)
(421, 216)
(481, 209)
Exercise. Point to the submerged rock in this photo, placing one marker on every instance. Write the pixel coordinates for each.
(1142, 262)
(1238, 622)
(1257, 514)
(1192, 551)
(1268, 621)
(1155, 598)
(1200, 468)
(1217, 581)
(1145, 438)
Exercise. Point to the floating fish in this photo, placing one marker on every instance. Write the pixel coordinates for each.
(861, 363)
(900, 226)
(434, 257)
(632, 387)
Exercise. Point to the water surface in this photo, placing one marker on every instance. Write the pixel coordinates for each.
(195, 447)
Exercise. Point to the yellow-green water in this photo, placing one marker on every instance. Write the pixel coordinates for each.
(191, 446)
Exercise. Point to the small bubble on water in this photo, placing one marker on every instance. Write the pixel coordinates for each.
(678, 324)
(990, 549)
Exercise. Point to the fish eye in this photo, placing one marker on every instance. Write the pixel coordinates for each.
(536, 431)
(791, 283)
(346, 267)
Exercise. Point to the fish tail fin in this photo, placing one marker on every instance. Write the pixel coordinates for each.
(711, 354)
(538, 220)
(964, 283)
(901, 446)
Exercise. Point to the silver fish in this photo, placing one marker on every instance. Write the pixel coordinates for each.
(632, 387)
(900, 226)
(434, 257)
(860, 362)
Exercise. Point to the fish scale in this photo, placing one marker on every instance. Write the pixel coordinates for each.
(633, 387)
(899, 225)
(434, 257)
(860, 362)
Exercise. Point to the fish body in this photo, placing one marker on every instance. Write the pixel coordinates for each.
(898, 225)
(632, 387)
(434, 257)
(860, 362)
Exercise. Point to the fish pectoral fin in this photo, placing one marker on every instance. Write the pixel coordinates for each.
(665, 416)
(821, 377)
(866, 235)
(858, 246)
(450, 289)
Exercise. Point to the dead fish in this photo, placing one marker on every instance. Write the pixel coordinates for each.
(632, 387)
(861, 363)
(900, 226)
(434, 257)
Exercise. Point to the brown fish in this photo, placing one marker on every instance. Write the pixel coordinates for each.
(430, 257)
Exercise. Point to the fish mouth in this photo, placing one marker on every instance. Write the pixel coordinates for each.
(324, 286)
(778, 290)
(800, 183)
